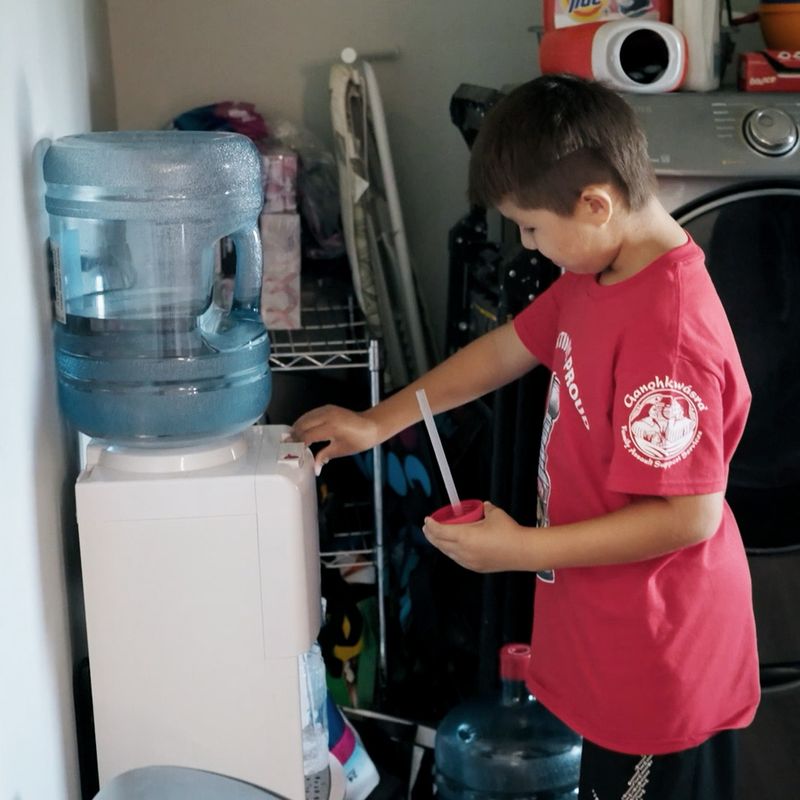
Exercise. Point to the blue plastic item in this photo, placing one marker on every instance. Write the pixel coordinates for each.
(148, 349)
(507, 747)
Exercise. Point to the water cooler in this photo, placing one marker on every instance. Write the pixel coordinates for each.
(198, 529)
(201, 584)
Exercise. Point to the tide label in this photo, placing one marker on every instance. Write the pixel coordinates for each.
(566, 13)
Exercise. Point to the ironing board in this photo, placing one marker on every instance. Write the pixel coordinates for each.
(372, 222)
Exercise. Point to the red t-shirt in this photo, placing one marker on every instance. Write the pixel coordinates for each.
(648, 397)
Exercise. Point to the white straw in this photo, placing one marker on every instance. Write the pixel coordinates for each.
(438, 451)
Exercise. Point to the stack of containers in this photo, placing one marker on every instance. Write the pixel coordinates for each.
(280, 240)
(643, 46)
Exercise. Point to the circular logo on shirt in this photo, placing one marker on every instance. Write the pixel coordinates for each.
(663, 424)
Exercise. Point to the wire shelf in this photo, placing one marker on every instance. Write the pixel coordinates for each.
(352, 543)
(333, 336)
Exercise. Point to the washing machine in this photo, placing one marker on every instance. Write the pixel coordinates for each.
(728, 167)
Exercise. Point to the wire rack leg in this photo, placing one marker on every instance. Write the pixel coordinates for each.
(377, 489)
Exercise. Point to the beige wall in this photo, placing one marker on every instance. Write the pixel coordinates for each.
(171, 55)
(54, 80)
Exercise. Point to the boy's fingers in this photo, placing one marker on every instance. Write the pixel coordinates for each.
(322, 458)
(437, 531)
(311, 424)
(330, 451)
(308, 433)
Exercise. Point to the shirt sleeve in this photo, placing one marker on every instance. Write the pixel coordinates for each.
(537, 324)
(667, 425)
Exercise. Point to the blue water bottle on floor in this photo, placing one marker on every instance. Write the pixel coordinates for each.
(148, 351)
(506, 747)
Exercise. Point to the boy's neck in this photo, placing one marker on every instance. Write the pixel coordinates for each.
(644, 235)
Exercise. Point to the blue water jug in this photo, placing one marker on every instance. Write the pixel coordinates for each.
(507, 747)
(148, 350)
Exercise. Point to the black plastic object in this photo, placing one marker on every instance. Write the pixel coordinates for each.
(469, 105)
(506, 747)
(768, 764)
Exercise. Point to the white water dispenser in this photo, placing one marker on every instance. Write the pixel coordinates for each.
(201, 583)
(198, 530)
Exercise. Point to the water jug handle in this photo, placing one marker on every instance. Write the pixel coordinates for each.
(249, 266)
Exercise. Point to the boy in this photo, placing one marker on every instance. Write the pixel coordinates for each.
(643, 635)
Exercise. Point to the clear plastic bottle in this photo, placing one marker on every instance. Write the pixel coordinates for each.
(506, 747)
(700, 24)
(313, 711)
(145, 353)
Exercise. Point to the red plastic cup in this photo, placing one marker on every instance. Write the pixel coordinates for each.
(471, 511)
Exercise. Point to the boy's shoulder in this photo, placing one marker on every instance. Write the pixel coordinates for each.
(681, 269)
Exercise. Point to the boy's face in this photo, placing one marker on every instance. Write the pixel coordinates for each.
(582, 243)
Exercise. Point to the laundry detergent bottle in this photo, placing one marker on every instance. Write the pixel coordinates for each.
(569, 13)
(149, 350)
(506, 747)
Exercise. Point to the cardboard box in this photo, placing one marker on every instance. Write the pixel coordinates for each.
(280, 288)
(769, 71)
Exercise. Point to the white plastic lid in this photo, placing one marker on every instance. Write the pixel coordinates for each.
(160, 460)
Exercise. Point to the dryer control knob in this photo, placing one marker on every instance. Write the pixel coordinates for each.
(770, 131)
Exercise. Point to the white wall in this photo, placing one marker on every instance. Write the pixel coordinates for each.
(171, 55)
(54, 80)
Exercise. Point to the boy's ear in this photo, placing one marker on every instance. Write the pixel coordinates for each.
(596, 204)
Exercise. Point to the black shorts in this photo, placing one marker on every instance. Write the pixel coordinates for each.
(705, 772)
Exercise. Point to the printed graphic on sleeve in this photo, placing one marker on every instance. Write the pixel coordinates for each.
(543, 478)
(663, 425)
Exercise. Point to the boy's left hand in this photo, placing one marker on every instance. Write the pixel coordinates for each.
(494, 544)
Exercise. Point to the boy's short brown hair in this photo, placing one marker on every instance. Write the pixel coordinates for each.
(543, 143)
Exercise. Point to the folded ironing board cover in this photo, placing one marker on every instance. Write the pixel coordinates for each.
(372, 223)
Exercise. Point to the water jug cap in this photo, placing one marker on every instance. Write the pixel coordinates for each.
(514, 659)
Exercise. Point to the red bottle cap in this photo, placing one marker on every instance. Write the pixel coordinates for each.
(514, 660)
(471, 511)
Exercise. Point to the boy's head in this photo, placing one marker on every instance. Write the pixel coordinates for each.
(548, 139)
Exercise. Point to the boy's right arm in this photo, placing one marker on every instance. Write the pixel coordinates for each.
(493, 360)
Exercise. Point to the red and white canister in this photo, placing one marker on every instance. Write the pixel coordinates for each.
(641, 56)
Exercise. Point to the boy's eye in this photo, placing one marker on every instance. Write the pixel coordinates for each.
(528, 230)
